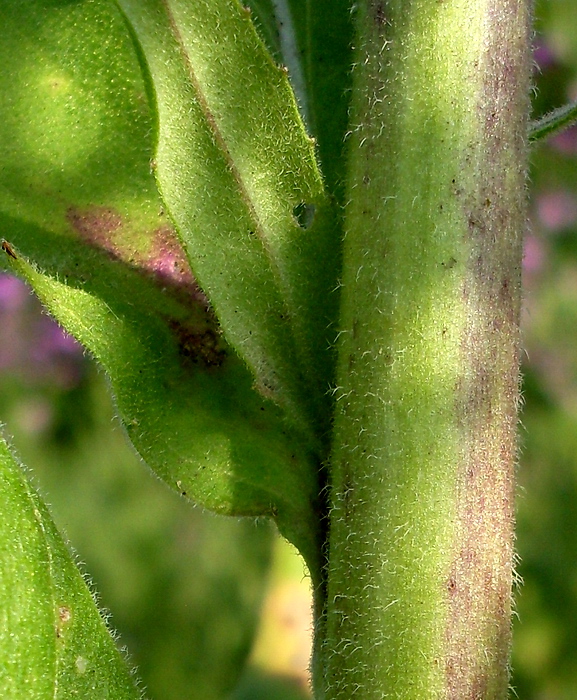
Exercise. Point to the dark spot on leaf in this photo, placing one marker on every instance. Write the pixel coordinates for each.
(64, 617)
(266, 387)
(203, 347)
(304, 214)
(64, 614)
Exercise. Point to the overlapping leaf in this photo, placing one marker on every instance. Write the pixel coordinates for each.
(53, 642)
(313, 38)
(238, 174)
(85, 226)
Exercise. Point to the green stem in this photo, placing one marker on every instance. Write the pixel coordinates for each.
(421, 523)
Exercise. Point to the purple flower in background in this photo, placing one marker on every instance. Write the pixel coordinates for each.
(533, 255)
(557, 210)
(13, 294)
(33, 346)
(13, 299)
(566, 141)
(544, 56)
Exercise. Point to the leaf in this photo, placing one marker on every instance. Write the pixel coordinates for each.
(268, 26)
(239, 177)
(82, 217)
(53, 641)
(313, 39)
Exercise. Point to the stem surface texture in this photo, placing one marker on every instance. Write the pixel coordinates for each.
(421, 553)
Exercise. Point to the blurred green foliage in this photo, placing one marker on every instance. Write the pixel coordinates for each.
(545, 638)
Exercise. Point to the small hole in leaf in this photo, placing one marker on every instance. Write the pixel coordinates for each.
(304, 214)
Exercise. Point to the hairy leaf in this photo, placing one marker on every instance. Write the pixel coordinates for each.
(53, 641)
(82, 221)
(238, 174)
(185, 588)
(313, 39)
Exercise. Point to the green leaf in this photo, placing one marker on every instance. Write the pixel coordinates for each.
(313, 39)
(235, 167)
(323, 33)
(53, 641)
(268, 27)
(83, 220)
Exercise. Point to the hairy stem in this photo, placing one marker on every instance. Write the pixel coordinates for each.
(421, 524)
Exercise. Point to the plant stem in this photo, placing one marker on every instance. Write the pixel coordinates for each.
(422, 500)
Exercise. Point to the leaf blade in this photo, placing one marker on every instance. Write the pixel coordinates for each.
(233, 162)
(54, 642)
(88, 230)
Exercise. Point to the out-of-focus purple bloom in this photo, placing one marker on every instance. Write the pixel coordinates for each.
(557, 210)
(533, 255)
(566, 141)
(31, 344)
(10, 344)
(544, 56)
(55, 353)
(52, 340)
(13, 294)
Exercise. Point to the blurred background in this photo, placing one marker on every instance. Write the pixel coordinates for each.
(211, 608)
